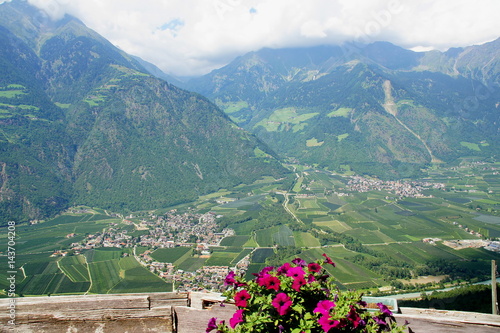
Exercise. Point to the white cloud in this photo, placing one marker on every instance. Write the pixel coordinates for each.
(188, 37)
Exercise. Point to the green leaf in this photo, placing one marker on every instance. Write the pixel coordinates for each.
(298, 308)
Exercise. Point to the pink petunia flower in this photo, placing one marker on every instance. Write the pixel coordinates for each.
(296, 272)
(385, 310)
(229, 280)
(283, 270)
(381, 322)
(264, 272)
(328, 260)
(363, 303)
(282, 302)
(212, 325)
(299, 262)
(354, 317)
(241, 298)
(314, 267)
(327, 323)
(298, 283)
(236, 319)
(270, 282)
(324, 307)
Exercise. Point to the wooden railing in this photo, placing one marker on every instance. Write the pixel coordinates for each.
(179, 313)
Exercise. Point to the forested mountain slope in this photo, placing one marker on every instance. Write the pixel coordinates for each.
(376, 108)
(83, 123)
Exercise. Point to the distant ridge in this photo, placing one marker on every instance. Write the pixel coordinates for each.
(326, 105)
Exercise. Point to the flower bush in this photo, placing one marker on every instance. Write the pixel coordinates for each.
(299, 297)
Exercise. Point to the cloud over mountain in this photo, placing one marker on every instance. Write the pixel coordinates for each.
(190, 37)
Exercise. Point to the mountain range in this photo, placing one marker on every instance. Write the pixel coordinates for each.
(84, 123)
(373, 108)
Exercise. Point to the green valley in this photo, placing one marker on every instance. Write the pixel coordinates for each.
(382, 235)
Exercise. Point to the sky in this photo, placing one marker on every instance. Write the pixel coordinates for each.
(193, 37)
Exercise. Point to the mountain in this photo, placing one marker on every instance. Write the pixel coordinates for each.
(155, 71)
(478, 62)
(377, 108)
(84, 123)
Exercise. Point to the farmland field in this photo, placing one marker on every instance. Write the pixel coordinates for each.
(52, 235)
(305, 239)
(170, 254)
(221, 258)
(192, 264)
(344, 271)
(139, 279)
(103, 254)
(44, 276)
(104, 275)
(264, 237)
(245, 228)
(260, 255)
(75, 268)
(284, 236)
(234, 241)
(241, 255)
(127, 263)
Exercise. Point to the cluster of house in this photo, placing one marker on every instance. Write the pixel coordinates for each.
(470, 231)
(110, 237)
(199, 231)
(169, 230)
(173, 230)
(400, 188)
(207, 278)
(472, 164)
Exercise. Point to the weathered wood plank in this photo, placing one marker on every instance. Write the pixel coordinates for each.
(49, 304)
(103, 315)
(190, 320)
(143, 325)
(94, 313)
(173, 299)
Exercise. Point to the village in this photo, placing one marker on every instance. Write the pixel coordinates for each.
(166, 231)
(399, 188)
(193, 230)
